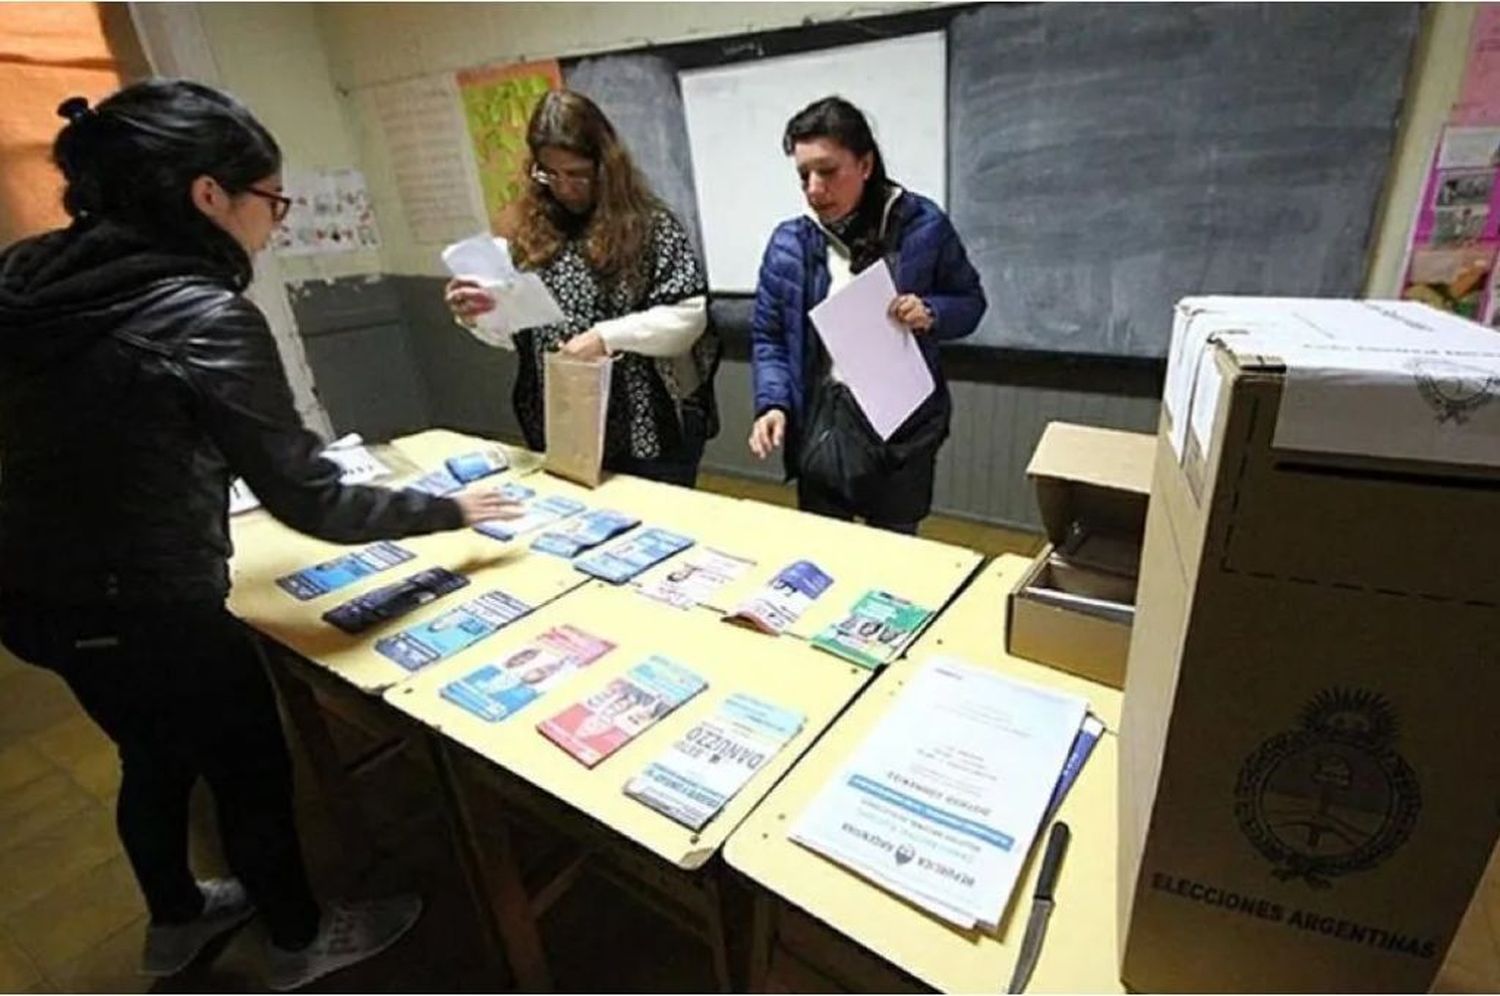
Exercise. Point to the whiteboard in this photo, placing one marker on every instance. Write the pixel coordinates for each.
(736, 115)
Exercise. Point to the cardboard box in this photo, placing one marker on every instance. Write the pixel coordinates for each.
(1073, 608)
(1308, 765)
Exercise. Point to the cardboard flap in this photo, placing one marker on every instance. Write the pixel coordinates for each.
(1092, 481)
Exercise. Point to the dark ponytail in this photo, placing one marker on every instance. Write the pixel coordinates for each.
(132, 160)
(837, 119)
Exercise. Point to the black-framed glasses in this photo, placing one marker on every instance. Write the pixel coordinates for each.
(280, 203)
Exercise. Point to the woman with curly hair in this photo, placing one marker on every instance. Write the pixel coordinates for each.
(625, 274)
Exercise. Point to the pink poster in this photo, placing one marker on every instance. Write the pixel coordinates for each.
(1458, 226)
(1479, 98)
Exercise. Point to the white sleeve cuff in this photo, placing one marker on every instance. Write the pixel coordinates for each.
(665, 330)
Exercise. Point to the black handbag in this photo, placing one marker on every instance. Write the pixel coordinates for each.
(843, 455)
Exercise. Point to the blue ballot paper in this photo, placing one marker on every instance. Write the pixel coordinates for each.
(540, 513)
(584, 532)
(320, 579)
(440, 483)
(426, 643)
(468, 467)
(1078, 755)
(630, 557)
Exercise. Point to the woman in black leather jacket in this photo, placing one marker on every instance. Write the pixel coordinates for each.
(135, 379)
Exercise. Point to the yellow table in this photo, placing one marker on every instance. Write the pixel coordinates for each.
(786, 672)
(589, 805)
(307, 656)
(856, 557)
(1079, 954)
(266, 550)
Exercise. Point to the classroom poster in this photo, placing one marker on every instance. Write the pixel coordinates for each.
(331, 213)
(1479, 98)
(497, 105)
(424, 137)
(1452, 259)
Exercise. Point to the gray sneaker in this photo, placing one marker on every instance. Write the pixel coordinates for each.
(171, 947)
(348, 934)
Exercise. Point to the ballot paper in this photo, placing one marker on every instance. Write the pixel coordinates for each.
(696, 579)
(522, 301)
(942, 801)
(781, 602)
(706, 767)
(873, 353)
(357, 465)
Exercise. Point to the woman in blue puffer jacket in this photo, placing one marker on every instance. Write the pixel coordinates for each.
(858, 217)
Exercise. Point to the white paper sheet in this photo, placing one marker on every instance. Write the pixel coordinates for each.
(1392, 379)
(428, 146)
(941, 803)
(522, 301)
(876, 356)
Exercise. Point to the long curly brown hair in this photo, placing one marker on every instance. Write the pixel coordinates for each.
(619, 226)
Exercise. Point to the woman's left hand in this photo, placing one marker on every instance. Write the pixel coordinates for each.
(585, 346)
(911, 311)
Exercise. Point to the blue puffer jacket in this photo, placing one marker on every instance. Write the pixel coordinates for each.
(929, 261)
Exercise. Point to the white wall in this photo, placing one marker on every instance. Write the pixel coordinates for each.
(203, 42)
(271, 56)
(379, 43)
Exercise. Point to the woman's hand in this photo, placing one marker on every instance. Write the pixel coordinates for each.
(585, 346)
(482, 506)
(912, 311)
(467, 300)
(768, 433)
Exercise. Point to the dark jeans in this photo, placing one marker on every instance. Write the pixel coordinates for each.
(181, 692)
(681, 470)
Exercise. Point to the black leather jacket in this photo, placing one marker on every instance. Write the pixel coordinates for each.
(133, 383)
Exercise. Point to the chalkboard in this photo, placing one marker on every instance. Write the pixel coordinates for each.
(638, 93)
(1109, 159)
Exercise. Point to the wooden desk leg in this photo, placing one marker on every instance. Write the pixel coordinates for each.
(494, 876)
(718, 944)
(328, 771)
(761, 937)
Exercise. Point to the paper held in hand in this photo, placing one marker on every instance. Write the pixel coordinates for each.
(577, 401)
(522, 301)
(872, 352)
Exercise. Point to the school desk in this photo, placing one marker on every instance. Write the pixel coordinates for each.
(818, 925)
(588, 804)
(857, 558)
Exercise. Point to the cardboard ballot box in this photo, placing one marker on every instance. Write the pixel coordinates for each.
(1073, 608)
(1308, 773)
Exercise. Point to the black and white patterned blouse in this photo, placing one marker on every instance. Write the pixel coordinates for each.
(644, 420)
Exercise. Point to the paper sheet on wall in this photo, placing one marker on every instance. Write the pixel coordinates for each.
(497, 103)
(1451, 258)
(423, 127)
(874, 354)
(331, 213)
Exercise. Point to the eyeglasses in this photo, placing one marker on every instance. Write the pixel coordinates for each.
(555, 178)
(280, 204)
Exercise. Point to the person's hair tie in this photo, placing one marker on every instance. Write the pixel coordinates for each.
(75, 109)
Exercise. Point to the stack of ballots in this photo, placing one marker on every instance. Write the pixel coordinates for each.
(942, 801)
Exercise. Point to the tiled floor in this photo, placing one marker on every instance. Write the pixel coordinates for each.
(71, 919)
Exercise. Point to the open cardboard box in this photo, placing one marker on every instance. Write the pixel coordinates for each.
(1073, 608)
